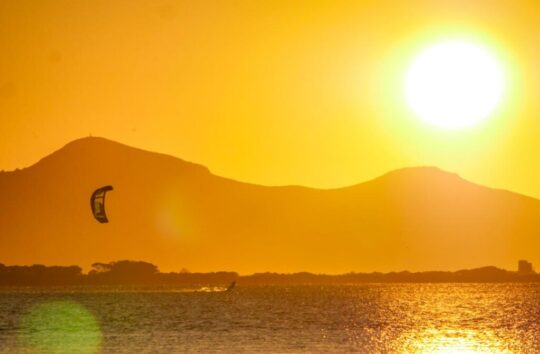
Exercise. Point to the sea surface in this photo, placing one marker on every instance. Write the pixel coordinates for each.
(370, 318)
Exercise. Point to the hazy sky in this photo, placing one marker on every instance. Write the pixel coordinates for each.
(270, 92)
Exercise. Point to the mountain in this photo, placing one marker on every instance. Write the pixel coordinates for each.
(178, 214)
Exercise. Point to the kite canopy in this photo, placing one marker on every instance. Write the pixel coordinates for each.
(97, 202)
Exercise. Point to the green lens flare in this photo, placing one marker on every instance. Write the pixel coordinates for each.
(60, 327)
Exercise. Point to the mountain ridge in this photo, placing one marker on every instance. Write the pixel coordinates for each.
(85, 141)
(179, 214)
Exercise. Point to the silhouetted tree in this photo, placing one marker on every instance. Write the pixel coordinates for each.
(101, 267)
(40, 275)
(123, 272)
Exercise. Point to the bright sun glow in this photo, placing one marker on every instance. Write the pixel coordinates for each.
(454, 84)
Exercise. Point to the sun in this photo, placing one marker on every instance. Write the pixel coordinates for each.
(454, 84)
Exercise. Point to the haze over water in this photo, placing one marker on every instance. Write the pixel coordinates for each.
(373, 318)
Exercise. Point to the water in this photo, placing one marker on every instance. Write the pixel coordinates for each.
(372, 318)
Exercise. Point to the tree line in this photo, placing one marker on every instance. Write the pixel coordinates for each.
(127, 272)
(123, 272)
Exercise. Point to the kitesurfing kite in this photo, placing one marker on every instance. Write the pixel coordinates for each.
(97, 202)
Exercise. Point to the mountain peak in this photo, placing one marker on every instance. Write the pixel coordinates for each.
(91, 140)
(101, 150)
(421, 171)
(420, 174)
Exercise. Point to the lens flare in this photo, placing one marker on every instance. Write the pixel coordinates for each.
(174, 218)
(60, 327)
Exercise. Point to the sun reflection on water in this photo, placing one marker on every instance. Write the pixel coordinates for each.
(450, 341)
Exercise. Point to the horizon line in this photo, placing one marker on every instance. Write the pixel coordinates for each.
(185, 270)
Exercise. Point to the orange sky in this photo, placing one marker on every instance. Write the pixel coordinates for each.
(270, 92)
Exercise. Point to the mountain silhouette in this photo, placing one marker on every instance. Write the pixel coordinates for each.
(178, 214)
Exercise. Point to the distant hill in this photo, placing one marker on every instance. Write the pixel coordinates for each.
(178, 214)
